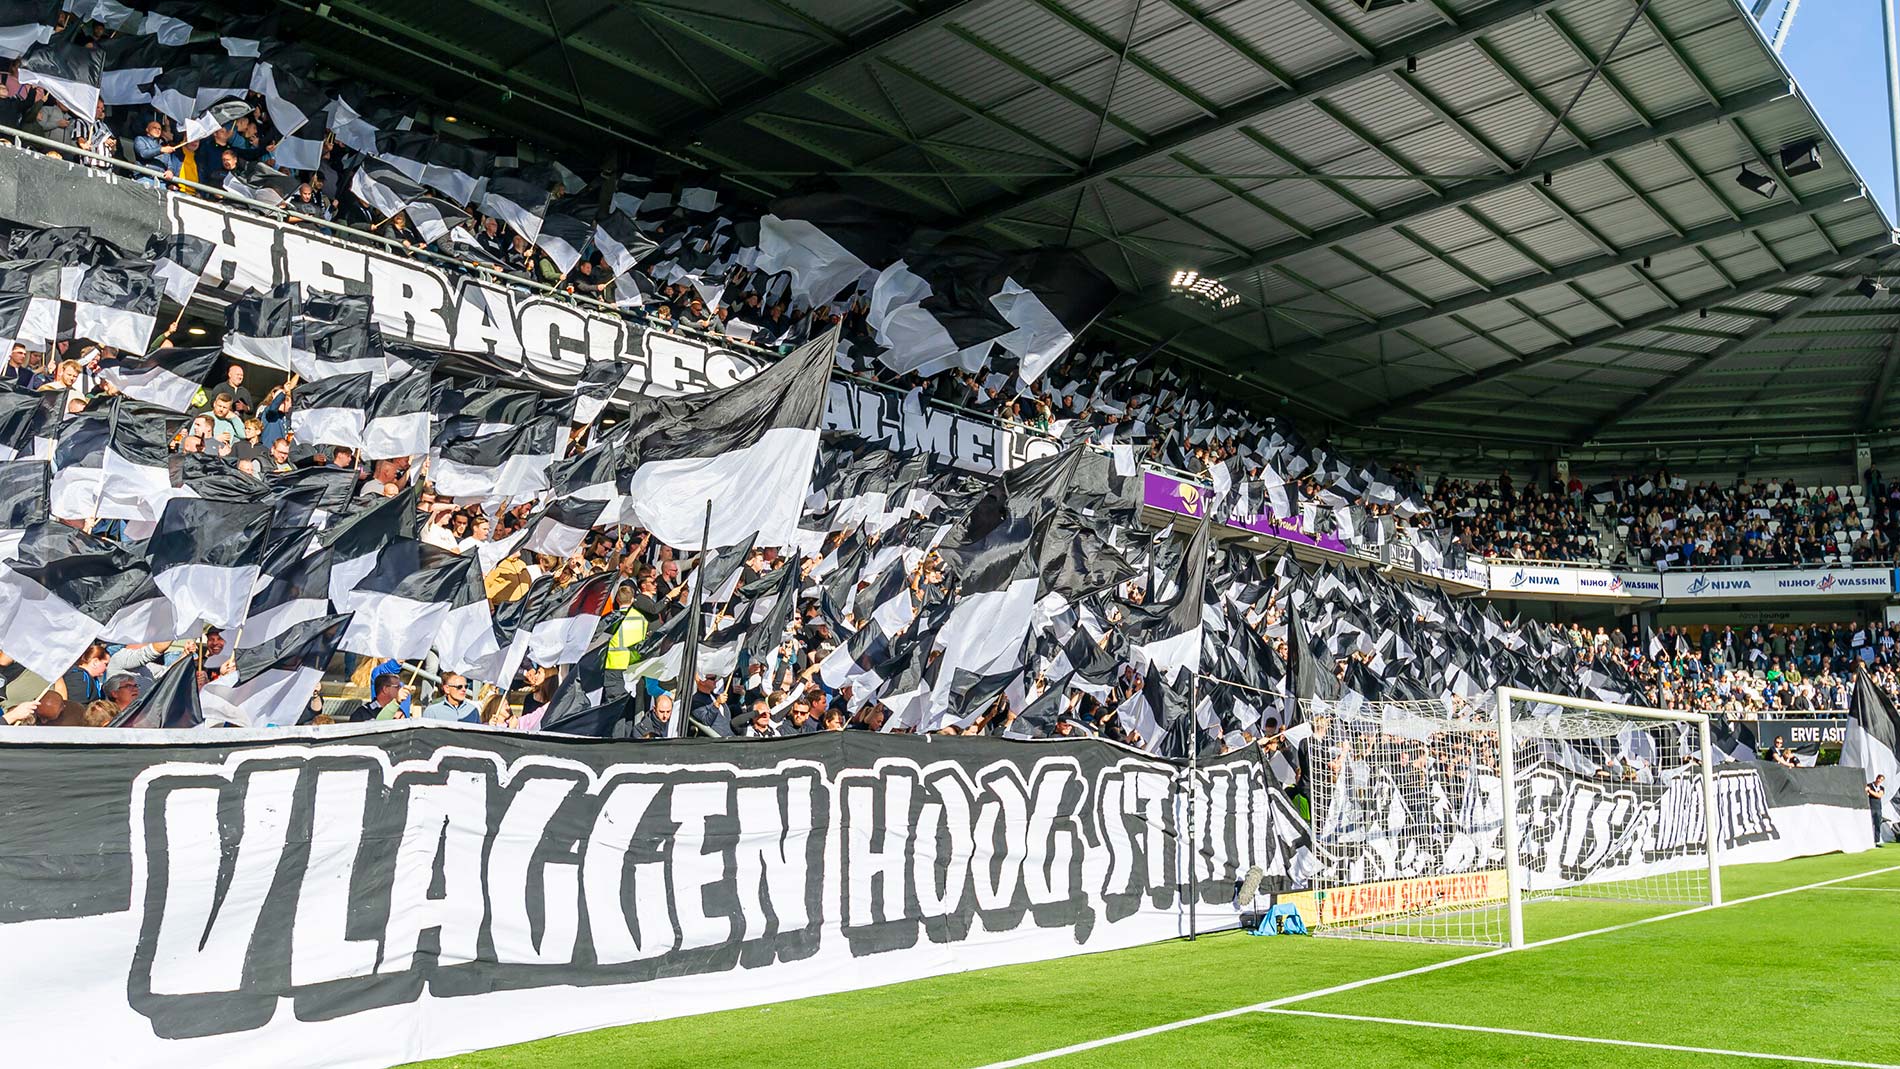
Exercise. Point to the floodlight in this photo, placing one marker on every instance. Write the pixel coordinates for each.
(1203, 289)
(1756, 183)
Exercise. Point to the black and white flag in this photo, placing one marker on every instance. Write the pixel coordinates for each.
(332, 411)
(1873, 738)
(517, 199)
(167, 377)
(30, 319)
(398, 424)
(566, 230)
(337, 335)
(274, 680)
(129, 64)
(293, 586)
(1167, 634)
(113, 464)
(749, 449)
(58, 590)
(26, 23)
(621, 243)
(69, 71)
(180, 262)
(506, 465)
(357, 542)
(117, 305)
(207, 555)
(417, 598)
(173, 703)
(259, 327)
(560, 621)
(455, 170)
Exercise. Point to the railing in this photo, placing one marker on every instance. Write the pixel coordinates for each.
(1376, 545)
(1527, 562)
(281, 213)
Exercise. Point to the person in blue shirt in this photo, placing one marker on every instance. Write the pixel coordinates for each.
(455, 703)
(153, 152)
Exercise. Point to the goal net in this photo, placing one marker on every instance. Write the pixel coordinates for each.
(1426, 826)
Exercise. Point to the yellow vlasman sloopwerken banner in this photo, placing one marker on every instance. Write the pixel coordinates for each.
(1369, 901)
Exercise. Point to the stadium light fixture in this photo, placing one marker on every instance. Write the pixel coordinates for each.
(1756, 183)
(1203, 289)
(1867, 288)
(1802, 157)
(196, 332)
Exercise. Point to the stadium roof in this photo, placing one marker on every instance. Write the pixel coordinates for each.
(1518, 220)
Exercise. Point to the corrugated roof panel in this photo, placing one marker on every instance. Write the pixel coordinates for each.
(1205, 65)
(1241, 223)
(1728, 55)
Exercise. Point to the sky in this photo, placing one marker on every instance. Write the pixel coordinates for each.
(1836, 52)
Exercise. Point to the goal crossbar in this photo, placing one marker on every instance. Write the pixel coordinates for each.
(1436, 819)
(1513, 867)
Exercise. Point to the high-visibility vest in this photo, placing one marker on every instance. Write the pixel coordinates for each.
(630, 632)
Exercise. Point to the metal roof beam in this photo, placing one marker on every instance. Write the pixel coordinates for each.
(1714, 356)
(1681, 122)
(1332, 79)
(817, 68)
(1881, 244)
(1877, 400)
(1792, 209)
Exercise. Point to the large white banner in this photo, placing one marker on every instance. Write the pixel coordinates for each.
(538, 341)
(1780, 583)
(373, 897)
(1555, 580)
(1575, 828)
(1567, 581)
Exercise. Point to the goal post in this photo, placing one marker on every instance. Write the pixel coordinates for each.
(1439, 820)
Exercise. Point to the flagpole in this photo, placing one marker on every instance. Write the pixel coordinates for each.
(689, 660)
(1194, 766)
(1194, 763)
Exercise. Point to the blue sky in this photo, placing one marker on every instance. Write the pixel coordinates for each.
(1836, 53)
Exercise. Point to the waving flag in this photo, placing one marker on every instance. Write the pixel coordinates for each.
(416, 598)
(207, 555)
(69, 71)
(168, 377)
(398, 424)
(180, 262)
(173, 703)
(274, 679)
(332, 411)
(748, 449)
(258, 327)
(58, 589)
(293, 586)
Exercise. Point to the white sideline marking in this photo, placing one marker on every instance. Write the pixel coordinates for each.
(1883, 890)
(1143, 1033)
(1803, 1059)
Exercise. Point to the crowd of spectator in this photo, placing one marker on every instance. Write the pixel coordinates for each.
(1760, 668)
(1660, 521)
(700, 278)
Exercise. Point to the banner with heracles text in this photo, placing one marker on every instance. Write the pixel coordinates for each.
(371, 896)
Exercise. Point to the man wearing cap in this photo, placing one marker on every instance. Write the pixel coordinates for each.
(758, 724)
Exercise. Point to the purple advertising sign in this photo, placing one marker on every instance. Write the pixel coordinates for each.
(1187, 499)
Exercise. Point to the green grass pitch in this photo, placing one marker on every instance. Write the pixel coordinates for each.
(1814, 974)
